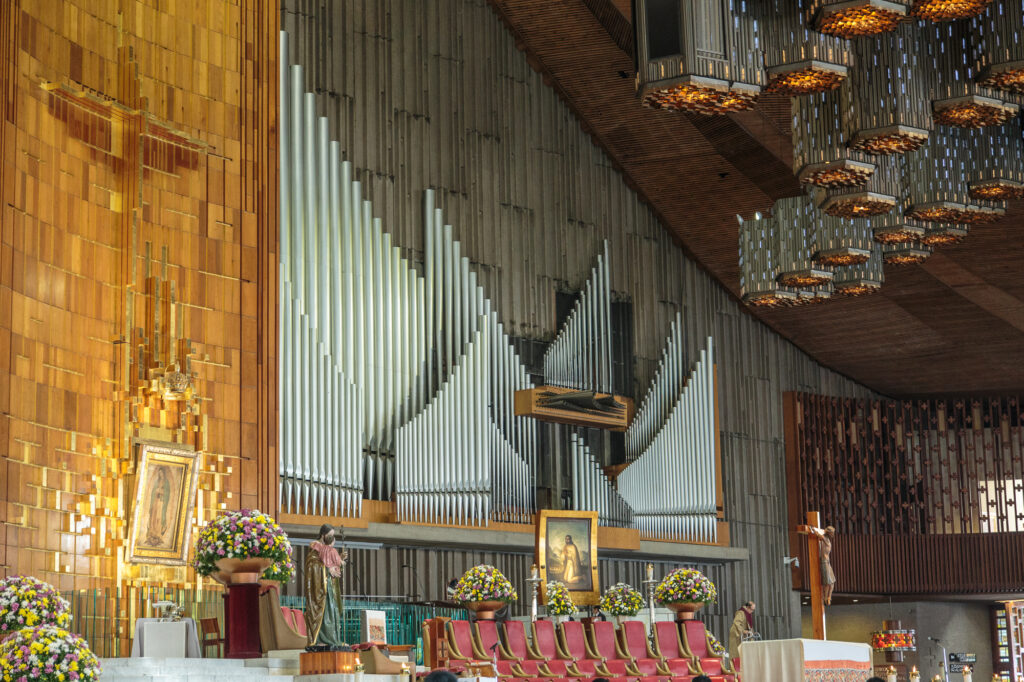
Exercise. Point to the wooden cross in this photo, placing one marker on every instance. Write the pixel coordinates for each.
(811, 530)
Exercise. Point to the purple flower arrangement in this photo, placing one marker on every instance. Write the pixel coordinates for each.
(245, 534)
(47, 653)
(26, 602)
(484, 583)
(685, 585)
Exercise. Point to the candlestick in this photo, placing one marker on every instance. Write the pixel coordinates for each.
(533, 572)
(650, 571)
(914, 675)
(937, 678)
(890, 674)
(534, 583)
(968, 674)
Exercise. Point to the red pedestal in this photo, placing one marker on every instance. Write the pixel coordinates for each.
(242, 621)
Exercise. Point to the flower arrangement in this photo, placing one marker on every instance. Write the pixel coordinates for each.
(716, 647)
(484, 583)
(621, 600)
(47, 653)
(893, 640)
(245, 534)
(685, 585)
(559, 599)
(26, 602)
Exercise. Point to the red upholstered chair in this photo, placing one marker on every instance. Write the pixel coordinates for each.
(572, 641)
(669, 648)
(633, 637)
(300, 621)
(460, 644)
(694, 638)
(605, 642)
(530, 660)
(488, 641)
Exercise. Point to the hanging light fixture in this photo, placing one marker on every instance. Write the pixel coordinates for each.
(861, 278)
(944, 234)
(797, 239)
(1001, 33)
(997, 164)
(798, 60)
(820, 134)
(696, 55)
(892, 111)
(850, 19)
(948, 10)
(953, 64)
(759, 265)
(840, 241)
(876, 197)
(893, 641)
(937, 178)
(906, 253)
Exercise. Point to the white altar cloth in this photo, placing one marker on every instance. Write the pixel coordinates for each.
(179, 636)
(804, 660)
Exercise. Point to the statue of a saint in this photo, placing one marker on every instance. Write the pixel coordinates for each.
(828, 576)
(572, 569)
(323, 590)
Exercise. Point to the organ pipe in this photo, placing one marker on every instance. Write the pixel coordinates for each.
(580, 356)
(672, 484)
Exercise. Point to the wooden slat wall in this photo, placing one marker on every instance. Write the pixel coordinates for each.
(78, 220)
(924, 494)
(976, 563)
(435, 94)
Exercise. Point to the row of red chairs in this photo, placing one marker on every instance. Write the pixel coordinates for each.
(571, 650)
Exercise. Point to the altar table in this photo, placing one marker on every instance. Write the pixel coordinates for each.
(165, 639)
(804, 660)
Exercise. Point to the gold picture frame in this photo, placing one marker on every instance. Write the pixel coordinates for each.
(165, 495)
(557, 531)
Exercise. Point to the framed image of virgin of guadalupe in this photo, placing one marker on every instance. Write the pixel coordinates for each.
(165, 494)
(567, 552)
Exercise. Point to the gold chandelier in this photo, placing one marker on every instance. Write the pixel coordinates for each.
(856, 18)
(696, 55)
(799, 60)
(821, 155)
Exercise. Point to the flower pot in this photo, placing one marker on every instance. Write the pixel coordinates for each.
(685, 610)
(484, 609)
(240, 571)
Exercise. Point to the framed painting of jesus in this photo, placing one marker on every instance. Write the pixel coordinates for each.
(165, 493)
(567, 553)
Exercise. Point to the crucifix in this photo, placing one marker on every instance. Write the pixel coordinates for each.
(820, 575)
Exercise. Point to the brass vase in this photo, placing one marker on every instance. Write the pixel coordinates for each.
(484, 609)
(685, 610)
(238, 571)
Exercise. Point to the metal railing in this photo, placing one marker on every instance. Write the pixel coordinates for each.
(403, 620)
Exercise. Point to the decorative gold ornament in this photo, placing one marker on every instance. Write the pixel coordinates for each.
(997, 190)
(897, 139)
(952, 212)
(1007, 77)
(843, 256)
(806, 77)
(860, 18)
(701, 99)
(845, 173)
(858, 205)
(944, 235)
(905, 254)
(805, 278)
(948, 10)
(974, 111)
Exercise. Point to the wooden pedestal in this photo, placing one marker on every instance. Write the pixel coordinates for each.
(242, 621)
(327, 662)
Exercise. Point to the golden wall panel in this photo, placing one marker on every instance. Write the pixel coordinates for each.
(138, 235)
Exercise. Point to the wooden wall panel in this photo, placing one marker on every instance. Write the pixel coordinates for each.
(435, 94)
(95, 205)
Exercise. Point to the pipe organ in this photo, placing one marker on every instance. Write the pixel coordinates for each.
(672, 484)
(466, 458)
(581, 354)
(398, 381)
(592, 491)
